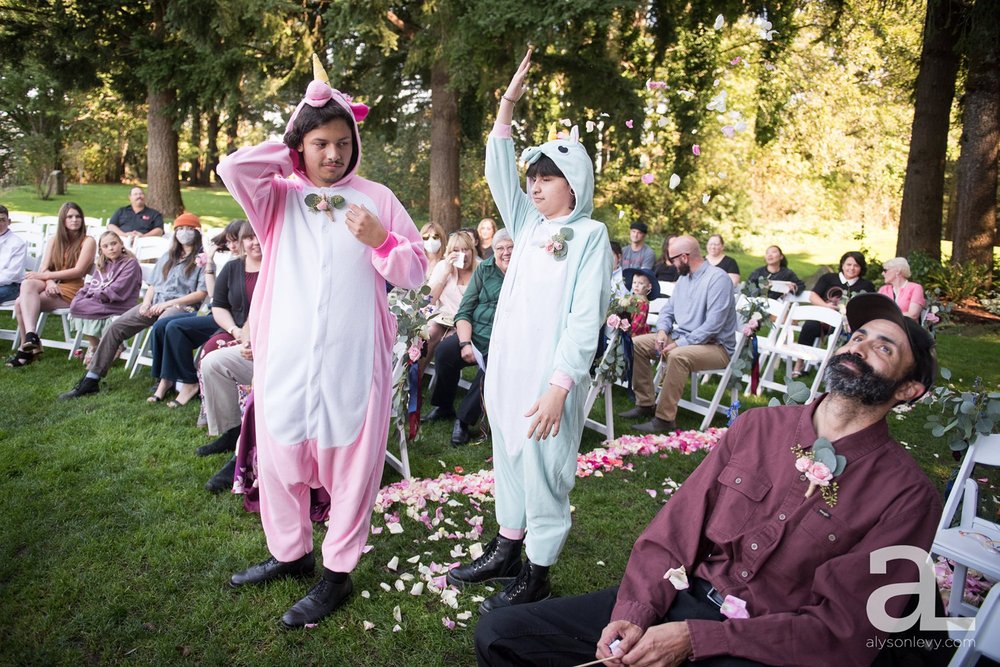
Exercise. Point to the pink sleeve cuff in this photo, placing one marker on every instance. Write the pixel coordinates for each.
(391, 241)
(501, 130)
(560, 379)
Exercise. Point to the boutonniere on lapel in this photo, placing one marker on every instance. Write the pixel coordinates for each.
(558, 244)
(324, 204)
(820, 466)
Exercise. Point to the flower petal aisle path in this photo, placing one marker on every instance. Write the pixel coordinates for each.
(449, 507)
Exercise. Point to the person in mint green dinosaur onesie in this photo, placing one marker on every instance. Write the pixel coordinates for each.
(545, 334)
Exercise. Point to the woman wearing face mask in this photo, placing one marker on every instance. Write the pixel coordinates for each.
(434, 237)
(178, 288)
(176, 339)
(67, 259)
(829, 291)
(448, 282)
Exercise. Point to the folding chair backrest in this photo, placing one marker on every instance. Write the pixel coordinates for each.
(984, 451)
(150, 248)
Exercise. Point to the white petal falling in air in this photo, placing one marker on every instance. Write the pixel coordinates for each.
(675, 180)
(720, 21)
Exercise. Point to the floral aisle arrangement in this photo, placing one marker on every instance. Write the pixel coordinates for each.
(621, 312)
(407, 306)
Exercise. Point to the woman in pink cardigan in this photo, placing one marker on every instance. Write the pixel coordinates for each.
(908, 296)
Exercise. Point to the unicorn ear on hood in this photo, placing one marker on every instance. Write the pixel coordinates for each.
(319, 92)
(574, 134)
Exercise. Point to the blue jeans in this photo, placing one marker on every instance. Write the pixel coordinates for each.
(9, 292)
(174, 341)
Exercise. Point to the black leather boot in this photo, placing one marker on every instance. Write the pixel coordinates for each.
(272, 568)
(321, 600)
(223, 479)
(501, 561)
(531, 585)
(85, 386)
(224, 443)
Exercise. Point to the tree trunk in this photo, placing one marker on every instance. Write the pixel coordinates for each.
(232, 130)
(975, 219)
(445, 201)
(164, 186)
(923, 188)
(212, 152)
(195, 176)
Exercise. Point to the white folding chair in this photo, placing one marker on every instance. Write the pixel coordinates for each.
(710, 406)
(777, 310)
(787, 350)
(607, 429)
(150, 248)
(67, 342)
(965, 543)
(401, 462)
(985, 641)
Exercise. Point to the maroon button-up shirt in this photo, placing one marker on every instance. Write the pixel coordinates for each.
(742, 522)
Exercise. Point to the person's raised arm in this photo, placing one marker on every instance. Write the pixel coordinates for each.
(501, 163)
(249, 175)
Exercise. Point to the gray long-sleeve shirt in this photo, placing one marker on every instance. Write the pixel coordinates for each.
(702, 309)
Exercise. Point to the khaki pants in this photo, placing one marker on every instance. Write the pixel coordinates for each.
(679, 365)
(221, 371)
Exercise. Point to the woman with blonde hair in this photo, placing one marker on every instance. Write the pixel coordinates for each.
(448, 282)
(434, 238)
(112, 290)
(908, 296)
(68, 257)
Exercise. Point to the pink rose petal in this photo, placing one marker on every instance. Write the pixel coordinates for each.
(629, 123)
(648, 178)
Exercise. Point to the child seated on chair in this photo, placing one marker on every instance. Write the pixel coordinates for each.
(643, 288)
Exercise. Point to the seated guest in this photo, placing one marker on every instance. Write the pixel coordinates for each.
(178, 287)
(776, 269)
(221, 248)
(617, 282)
(175, 339)
(487, 229)
(448, 284)
(638, 255)
(112, 290)
(68, 257)
(642, 283)
(474, 324)
(908, 296)
(136, 219)
(13, 253)
(663, 269)
(828, 291)
(434, 237)
(747, 565)
(716, 257)
(696, 330)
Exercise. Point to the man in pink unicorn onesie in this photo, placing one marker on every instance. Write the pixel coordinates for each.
(322, 336)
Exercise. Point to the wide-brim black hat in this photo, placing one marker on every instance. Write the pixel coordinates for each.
(628, 274)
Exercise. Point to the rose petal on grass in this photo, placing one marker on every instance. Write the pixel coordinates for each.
(400, 586)
(651, 492)
(367, 548)
(397, 614)
(396, 628)
(393, 564)
(366, 595)
(384, 586)
(475, 550)
(417, 589)
(448, 623)
(395, 528)
(368, 625)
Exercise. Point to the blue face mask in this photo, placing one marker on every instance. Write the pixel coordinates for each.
(185, 235)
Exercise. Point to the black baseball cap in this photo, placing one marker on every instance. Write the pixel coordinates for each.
(865, 307)
(641, 226)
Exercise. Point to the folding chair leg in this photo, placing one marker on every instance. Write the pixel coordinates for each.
(77, 343)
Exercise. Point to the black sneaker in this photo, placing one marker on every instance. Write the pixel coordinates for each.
(85, 386)
(531, 585)
(459, 433)
(500, 562)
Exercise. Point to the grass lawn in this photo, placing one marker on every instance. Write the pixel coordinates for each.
(111, 552)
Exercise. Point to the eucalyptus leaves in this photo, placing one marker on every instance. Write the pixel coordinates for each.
(324, 204)
(820, 465)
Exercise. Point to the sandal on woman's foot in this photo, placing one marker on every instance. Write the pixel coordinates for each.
(20, 358)
(32, 343)
(155, 399)
(796, 375)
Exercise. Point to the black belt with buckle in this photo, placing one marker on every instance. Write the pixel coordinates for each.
(709, 592)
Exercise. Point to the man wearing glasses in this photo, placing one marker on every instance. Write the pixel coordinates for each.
(696, 330)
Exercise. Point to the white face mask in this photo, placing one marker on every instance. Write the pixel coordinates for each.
(432, 245)
(185, 236)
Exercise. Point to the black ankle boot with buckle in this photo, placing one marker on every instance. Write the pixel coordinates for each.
(501, 561)
(531, 585)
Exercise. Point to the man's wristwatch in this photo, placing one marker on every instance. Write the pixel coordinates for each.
(464, 343)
